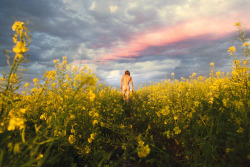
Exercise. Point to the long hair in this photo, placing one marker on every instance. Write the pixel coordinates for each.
(127, 72)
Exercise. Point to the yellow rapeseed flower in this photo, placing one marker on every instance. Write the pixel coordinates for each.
(95, 122)
(15, 38)
(22, 110)
(72, 116)
(64, 62)
(91, 96)
(232, 49)
(16, 123)
(55, 61)
(168, 134)
(26, 85)
(40, 156)
(246, 44)
(89, 140)
(92, 136)
(71, 139)
(177, 130)
(240, 130)
(43, 117)
(143, 151)
(237, 24)
(72, 130)
(17, 26)
(87, 149)
(2, 79)
(35, 80)
(228, 150)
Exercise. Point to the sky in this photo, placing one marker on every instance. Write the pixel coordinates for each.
(150, 38)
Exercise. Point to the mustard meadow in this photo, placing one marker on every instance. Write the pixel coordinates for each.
(72, 119)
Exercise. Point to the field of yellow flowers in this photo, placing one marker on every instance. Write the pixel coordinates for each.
(74, 120)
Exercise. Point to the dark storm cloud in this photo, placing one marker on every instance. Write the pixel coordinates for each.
(88, 30)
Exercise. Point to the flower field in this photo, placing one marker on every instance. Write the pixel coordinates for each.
(72, 119)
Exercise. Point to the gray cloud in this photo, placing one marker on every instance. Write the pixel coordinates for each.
(87, 30)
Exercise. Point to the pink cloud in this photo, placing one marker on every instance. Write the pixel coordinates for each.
(81, 61)
(214, 27)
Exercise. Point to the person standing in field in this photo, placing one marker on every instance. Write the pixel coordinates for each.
(125, 84)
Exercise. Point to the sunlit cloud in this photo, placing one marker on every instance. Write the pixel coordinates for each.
(92, 7)
(111, 36)
(113, 9)
(211, 27)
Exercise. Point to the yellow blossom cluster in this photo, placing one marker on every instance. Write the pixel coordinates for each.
(142, 150)
(16, 120)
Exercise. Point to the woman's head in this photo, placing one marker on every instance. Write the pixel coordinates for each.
(127, 72)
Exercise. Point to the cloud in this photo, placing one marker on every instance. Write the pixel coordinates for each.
(113, 9)
(215, 28)
(92, 7)
(114, 74)
(142, 72)
(150, 38)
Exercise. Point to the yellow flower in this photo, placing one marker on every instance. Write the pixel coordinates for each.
(149, 126)
(15, 38)
(91, 96)
(95, 122)
(87, 149)
(40, 156)
(26, 85)
(240, 130)
(228, 150)
(64, 62)
(177, 130)
(232, 49)
(71, 139)
(55, 61)
(237, 24)
(246, 44)
(72, 130)
(143, 151)
(17, 26)
(16, 123)
(2, 79)
(20, 47)
(43, 116)
(168, 134)
(140, 142)
(72, 116)
(54, 84)
(218, 73)
(22, 110)
(89, 140)
(92, 136)
(35, 80)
